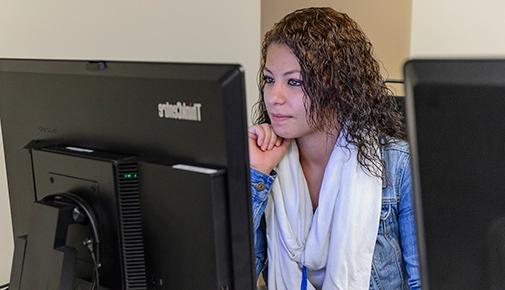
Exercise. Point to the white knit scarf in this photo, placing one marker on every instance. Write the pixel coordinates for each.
(336, 242)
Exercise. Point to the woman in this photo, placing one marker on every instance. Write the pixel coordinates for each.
(331, 188)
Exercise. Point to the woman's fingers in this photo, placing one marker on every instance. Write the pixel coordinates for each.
(267, 130)
(265, 137)
(258, 134)
(251, 131)
(273, 140)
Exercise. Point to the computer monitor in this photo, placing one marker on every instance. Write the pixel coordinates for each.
(69, 126)
(456, 126)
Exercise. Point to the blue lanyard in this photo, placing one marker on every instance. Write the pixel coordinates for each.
(304, 278)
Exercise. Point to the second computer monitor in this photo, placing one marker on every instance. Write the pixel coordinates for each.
(456, 122)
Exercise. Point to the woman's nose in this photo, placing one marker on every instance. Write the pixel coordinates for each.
(276, 94)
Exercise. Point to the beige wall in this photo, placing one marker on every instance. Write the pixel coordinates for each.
(202, 31)
(458, 28)
(386, 22)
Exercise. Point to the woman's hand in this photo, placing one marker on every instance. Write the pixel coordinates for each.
(266, 149)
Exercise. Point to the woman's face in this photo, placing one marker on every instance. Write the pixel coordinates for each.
(283, 93)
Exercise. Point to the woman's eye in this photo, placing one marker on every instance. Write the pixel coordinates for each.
(295, 82)
(268, 79)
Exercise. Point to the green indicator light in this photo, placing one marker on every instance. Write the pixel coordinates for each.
(130, 175)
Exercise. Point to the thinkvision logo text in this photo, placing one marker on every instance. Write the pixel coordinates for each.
(181, 111)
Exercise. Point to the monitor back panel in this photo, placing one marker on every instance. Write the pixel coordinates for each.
(456, 125)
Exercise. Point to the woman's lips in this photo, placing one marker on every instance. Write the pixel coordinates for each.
(279, 117)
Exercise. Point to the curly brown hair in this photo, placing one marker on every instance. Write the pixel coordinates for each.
(341, 81)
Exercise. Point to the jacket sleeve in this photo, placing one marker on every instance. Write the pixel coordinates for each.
(407, 225)
(260, 186)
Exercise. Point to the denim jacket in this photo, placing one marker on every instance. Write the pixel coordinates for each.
(395, 264)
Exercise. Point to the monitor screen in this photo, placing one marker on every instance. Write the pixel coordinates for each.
(456, 125)
(185, 124)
